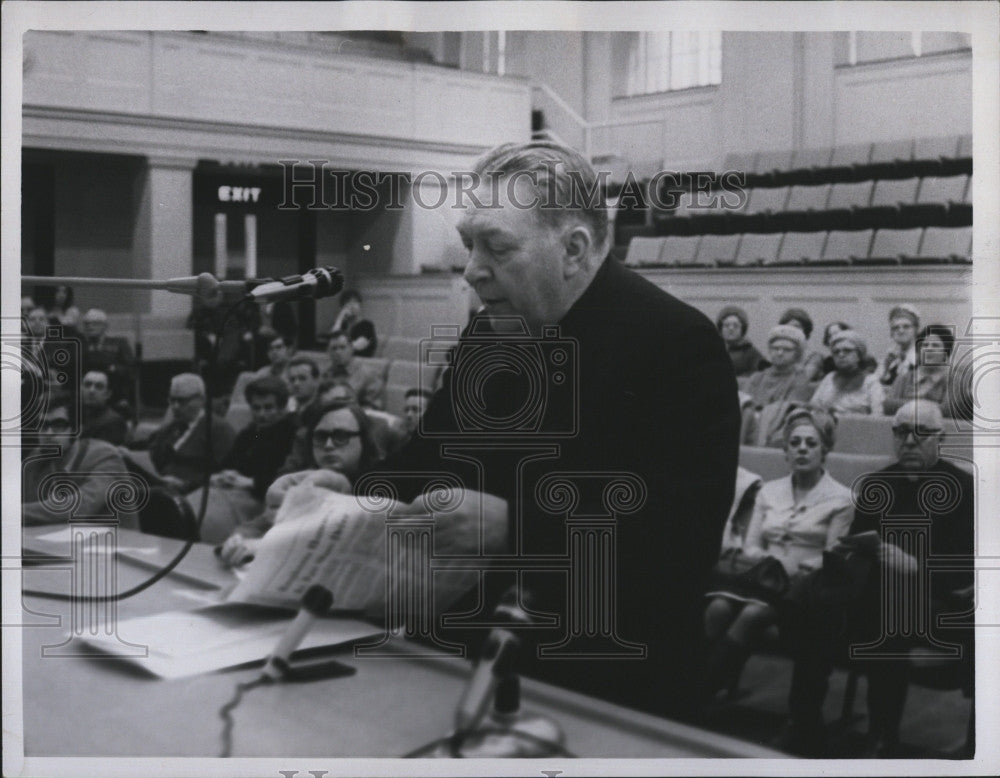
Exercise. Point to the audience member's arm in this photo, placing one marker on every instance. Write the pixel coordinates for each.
(840, 525)
(753, 543)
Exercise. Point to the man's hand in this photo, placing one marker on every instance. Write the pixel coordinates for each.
(238, 550)
(173, 482)
(231, 479)
(478, 523)
(894, 558)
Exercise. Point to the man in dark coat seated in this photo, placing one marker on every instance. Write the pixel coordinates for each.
(876, 595)
(100, 420)
(579, 371)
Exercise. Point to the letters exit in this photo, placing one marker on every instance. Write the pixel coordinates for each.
(239, 194)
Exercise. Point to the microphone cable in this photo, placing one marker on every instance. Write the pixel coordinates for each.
(226, 711)
(455, 741)
(202, 507)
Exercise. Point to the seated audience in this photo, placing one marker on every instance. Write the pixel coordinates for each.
(904, 321)
(732, 323)
(100, 420)
(279, 354)
(360, 331)
(41, 361)
(303, 381)
(812, 361)
(366, 381)
(930, 378)
(238, 490)
(27, 305)
(342, 448)
(850, 388)
(109, 353)
(82, 461)
(794, 520)
(63, 311)
(841, 605)
(785, 378)
(414, 404)
(179, 449)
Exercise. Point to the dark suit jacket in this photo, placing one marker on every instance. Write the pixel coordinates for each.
(647, 389)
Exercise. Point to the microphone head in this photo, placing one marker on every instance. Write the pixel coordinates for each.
(317, 600)
(329, 279)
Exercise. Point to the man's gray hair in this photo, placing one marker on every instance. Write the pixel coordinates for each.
(188, 382)
(567, 187)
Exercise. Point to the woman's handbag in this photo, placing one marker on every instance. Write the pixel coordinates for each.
(750, 577)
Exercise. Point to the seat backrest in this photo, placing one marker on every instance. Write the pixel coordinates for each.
(810, 158)
(808, 198)
(947, 242)
(894, 191)
(400, 347)
(896, 243)
(844, 244)
(773, 160)
(767, 199)
(755, 248)
(889, 151)
(378, 364)
(739, 161)
(718, 248)
(863, 434)
(801, 246)
(968, 192)
(407, 373)
(644, 251)
(851, 154)
(942, 189)
(965, 147)
(679, 248)
(935, 148)
(850, 195)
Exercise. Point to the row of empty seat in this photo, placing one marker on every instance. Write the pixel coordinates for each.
(931, 245)
(909, 202)
(944, 155)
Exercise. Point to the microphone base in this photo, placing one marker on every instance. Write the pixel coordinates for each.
(505, 736)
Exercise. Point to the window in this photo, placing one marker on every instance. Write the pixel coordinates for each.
(649, 62)
(858, 47)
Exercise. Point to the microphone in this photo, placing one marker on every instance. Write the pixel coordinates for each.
(317, 283)
(315, 603)
(497, 661)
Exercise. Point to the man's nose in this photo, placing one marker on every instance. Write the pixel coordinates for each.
(475, 270)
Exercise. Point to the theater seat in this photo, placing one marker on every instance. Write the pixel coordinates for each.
(757, 249)
(933, 199)
(800, 248)
(929, 153)
(679, 249)
(845, 200)
(844, 247)
(806, 204)
(644, 252)
(893, 246)
(807, 164)
(889, 196)
(890, 159)
(946, 244)
(718, 250)
(762, 202)
(847, 162)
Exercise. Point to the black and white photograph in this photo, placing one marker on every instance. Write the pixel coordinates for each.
(581, 388)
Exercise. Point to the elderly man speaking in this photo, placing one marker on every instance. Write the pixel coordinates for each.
(580, 373)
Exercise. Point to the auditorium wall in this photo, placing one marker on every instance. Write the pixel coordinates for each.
(862, 297)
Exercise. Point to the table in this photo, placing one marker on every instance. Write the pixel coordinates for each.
(99, 706)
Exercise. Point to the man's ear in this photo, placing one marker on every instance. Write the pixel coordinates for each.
(578, 243)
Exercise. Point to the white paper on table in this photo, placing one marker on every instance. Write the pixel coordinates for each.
(186, 643)
(63, 537)
(328, 539)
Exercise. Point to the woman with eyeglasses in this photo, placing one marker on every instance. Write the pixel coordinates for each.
(343, 448)
(850, 388)
(904, 321)
(795, 519)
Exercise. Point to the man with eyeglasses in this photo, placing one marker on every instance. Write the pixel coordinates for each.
(878, 552)
(99, 419)
(179, 448)
(81, 462)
